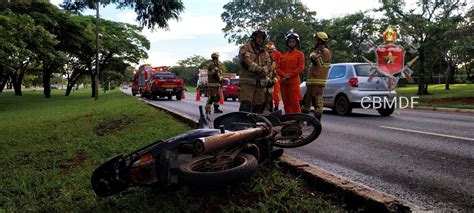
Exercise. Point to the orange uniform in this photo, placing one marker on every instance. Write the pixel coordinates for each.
(276, 88)
(291, 65)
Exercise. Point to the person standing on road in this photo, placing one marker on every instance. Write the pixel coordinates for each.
(214, 81)
(272, 79)
(275, 57)
(317, 75)
(289, 69)
(255, 64)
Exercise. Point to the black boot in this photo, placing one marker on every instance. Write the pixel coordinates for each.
(318, 116)
(216, 109)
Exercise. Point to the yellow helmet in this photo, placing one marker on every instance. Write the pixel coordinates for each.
(215, 55)
(321, 35)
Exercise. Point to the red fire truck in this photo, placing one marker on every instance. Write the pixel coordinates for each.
(160, 82)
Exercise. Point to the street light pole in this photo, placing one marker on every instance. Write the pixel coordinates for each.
(96, 76)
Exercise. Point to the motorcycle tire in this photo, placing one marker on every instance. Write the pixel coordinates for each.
(289, 127)
(244, 166)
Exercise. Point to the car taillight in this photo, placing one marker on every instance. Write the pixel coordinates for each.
(354, 82)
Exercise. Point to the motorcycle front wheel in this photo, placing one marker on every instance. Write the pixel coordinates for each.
(217, 170)
(297, 130)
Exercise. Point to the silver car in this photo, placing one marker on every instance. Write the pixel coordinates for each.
(347, 88)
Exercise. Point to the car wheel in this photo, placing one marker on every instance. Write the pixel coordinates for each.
(343, 106)
(386, 111)
(178, 97)
(234, 98)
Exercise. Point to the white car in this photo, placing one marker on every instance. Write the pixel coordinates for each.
(347, 88)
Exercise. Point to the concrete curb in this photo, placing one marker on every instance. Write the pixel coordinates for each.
(443, 109)
(352, 193)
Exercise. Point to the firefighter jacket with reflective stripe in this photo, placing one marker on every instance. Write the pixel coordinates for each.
(214, 74)
(292, 64)
(254, 65)
(320, 64)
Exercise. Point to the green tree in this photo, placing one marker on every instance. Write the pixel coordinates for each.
(426, 25)
(243, 17)
(350, 35)
(118, 40)
(232, 66)
(114, 74)
(23, 43)
(279, 27)
(193, 61)
(188, 68)
(461, 51)
(58, 23)
(150, 13)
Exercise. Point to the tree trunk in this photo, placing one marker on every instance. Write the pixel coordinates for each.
(449, 74)
(2, 84)
(17, 85)
(69, 88)
(17, 78)
(94, 87)
(46, 81)
(468, 73)
(72, 80)
(422, 87)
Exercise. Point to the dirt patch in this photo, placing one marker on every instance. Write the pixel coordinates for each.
(78, 160)
(448, 100)
(112, 126)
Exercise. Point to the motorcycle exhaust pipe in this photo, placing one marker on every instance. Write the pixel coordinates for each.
(208, 144)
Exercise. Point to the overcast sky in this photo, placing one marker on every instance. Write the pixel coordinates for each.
(199, 32)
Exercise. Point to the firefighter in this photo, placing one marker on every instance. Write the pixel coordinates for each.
(272, 80)
(317, 75)
(255, 64)
(214, 81)
(289, 69)
(275, 57)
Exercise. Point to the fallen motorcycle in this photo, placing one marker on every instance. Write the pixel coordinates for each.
(226, 154)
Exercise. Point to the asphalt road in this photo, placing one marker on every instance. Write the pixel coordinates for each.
(423, 157)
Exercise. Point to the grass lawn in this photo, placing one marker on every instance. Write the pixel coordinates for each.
(459, 95)
(191, 89)
(49, 148)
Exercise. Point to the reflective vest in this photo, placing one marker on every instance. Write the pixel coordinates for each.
(318, 71)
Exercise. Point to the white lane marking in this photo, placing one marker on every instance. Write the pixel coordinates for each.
(428, 133)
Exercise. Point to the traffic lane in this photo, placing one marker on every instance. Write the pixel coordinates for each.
(448, 124)
(395, 163)
(373, 126)
(455, 124)
(458, 124)
(190, 106)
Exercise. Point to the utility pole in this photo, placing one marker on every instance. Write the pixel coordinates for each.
(96, 77)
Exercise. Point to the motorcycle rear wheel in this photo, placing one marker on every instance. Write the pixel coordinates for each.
(297, 130)
(205, 171)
